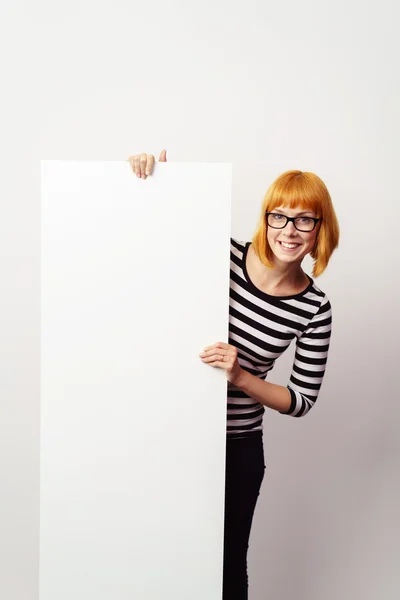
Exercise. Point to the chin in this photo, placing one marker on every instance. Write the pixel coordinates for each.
(286, 258)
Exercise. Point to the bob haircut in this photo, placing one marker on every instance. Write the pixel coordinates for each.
(306, 191)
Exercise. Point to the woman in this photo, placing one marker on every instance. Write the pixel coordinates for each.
(272, 302)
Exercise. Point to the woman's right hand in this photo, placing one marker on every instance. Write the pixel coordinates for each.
(142, 164)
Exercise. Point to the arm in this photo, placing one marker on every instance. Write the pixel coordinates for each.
(274, 396)
(307, 373)
(310, 362)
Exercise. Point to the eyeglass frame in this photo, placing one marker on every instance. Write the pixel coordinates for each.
(292, 219)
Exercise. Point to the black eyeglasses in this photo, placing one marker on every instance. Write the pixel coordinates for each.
(278, 221)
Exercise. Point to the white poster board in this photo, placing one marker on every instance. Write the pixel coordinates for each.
(135, 282)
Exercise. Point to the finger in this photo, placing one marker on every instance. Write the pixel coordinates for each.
(211, 358)
(163, 156)
(143, 163)
(221, 345)
(150, 164)
(211, 350)
(131, 161)
(218, 364)
(137, 165)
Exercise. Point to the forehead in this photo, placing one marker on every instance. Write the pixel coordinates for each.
(293, 212)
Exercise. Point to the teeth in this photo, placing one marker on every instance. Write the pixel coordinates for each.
(289, 245)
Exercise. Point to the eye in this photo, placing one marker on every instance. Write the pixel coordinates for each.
(276, 216)
(304, 220)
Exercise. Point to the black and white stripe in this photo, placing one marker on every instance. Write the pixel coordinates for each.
(262, 327)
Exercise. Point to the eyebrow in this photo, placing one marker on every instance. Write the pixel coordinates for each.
(304, 212)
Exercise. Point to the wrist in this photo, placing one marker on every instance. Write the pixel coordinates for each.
(238, 378)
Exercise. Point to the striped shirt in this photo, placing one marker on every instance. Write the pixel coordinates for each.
(262, 327)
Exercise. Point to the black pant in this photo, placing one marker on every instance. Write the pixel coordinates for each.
(244, 474)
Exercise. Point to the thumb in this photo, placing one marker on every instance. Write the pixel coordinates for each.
(163, 156)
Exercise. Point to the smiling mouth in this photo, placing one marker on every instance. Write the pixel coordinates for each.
(289, 246)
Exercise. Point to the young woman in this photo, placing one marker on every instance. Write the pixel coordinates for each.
(272, 302)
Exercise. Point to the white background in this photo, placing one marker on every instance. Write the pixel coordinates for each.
(135, 283)
(268, 87)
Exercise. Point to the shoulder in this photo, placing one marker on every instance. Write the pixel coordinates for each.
(317, 302)
(319, 295)
(324, 307)
(237, 245)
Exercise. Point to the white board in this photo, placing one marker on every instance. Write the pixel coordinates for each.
(135, 282)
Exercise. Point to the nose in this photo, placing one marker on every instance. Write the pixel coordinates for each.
(290, 228)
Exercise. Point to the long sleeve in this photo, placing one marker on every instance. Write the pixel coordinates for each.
(310, 361)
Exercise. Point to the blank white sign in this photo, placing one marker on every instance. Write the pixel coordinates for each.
(135, 282)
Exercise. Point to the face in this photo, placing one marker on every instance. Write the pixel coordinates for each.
(300, 242)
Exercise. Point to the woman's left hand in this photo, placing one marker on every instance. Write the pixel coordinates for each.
(223, 356)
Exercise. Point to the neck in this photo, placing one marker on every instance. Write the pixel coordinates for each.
(283, 274)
